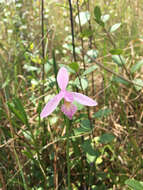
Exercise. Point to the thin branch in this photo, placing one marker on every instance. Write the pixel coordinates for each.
(43, 45)
(72, 30)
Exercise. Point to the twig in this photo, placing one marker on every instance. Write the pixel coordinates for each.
(72, 30)
(81, 39)
(43, 45)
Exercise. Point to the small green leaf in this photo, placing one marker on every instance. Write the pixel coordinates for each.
(97, 13)
(92, 53)
(119, 80)
(74, 66)
(119, 60)
(82, 83)
(137, 66)
(84, 17)
(90, 69)
(30, 68)
(85, 128)
(105, 18)
(134, 184)
(27, 134)
(91, 154)
(86, 33)
(47, 67)
(17, 108)
(100, 22)
(106, 138)
(140, 82)
(115, 27)
(102, 113)
(116, 51)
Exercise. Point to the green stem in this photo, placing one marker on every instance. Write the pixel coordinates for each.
(67, 152)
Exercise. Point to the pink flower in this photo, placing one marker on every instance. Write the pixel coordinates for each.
(68, 108)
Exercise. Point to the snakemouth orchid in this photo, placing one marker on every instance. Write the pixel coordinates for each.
(68, 108)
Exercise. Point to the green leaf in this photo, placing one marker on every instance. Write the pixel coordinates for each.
(134, 184)
(106, 138)
(119, 60)
(116, 51)
(17, 108)
(82, 82)
(90, 69)
(140, 82)
(102, 113)
(74, 66)
(115, 27)
(27, 134)
(86, 33)
(100, 22)
(136, 66)
(84, 17)
(91, 154)
(47, 67)
(84, 128)
(92, 53)
(30, 68)
(119, 80)
(97, 13)
(105, 18)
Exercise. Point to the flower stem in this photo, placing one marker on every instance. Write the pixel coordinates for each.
(67, 152)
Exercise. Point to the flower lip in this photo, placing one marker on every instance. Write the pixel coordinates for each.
(68, 109)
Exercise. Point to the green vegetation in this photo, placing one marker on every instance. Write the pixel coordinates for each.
(101, 45)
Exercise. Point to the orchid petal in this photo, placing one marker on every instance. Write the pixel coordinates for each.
(84, 100)
(51, 105)
(68, 109)
(68, 96)
(62, 78)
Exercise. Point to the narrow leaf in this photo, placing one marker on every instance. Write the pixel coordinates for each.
(137, 66)
(134, 184)
(90, 69)
(115, 27)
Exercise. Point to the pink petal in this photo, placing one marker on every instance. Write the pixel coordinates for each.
(68, 96)
(69, 109)
(82, 99)
(62, 78)
(51, 105)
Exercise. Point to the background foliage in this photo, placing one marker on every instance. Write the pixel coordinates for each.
(104, 61)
